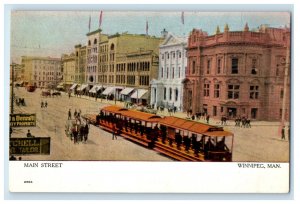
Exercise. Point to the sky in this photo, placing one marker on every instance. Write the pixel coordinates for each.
(53, 33)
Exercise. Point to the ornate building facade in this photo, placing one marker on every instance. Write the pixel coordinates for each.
(167, 90)
(240, 73)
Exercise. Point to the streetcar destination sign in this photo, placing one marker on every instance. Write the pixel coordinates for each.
(22, 120)
(35, 145)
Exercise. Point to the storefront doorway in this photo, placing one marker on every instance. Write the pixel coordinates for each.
(231, 112)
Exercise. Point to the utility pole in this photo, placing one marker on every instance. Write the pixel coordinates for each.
(12, 88)
(286, 73)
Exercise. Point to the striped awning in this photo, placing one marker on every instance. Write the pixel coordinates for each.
(126, 91)
(82, 87)
(140, 93)
(73, 86)
(95, 88)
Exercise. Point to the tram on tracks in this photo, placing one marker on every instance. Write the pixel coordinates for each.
(178, 138)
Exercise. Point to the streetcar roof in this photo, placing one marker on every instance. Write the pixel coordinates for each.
(113, 109)
(148, 117)
(193, 126)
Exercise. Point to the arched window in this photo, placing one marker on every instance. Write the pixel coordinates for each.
(112, 47)
(89, 42)
(95, 41)
(165, 93)
(170, 94)
(176, 94)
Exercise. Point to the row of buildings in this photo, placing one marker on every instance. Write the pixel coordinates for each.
(230, 73)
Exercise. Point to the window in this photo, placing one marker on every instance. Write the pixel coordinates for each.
(233, 91)
(176, 94)
(162, 72)
(216, 90)
(162, 56)
(167, 72)
(253, 92)
(89, 42)
(172, 72)
(281, 93)
(214, 110)
(168, 56)
(206, 90)
(254, 70)
(178, 72)
(95, 41)
(208, 67)
(179, 54)
(234, 66)
(173, 54)
(170, 94)
(194, 67)
(219, 66)
(165, 93)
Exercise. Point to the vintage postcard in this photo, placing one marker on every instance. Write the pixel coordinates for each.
(154, 98)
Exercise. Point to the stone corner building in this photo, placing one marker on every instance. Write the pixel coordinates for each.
(239, 73)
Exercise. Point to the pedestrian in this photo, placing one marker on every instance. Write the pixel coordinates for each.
(75, 114)
(69, 114)
(114, 132)
(42, 104)
(69, 94)
(207, 119)
(283, 133)
(46, 104)
(79, 113)
(86, 132)
(29, 134)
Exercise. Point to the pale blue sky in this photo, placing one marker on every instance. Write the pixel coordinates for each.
(51, 33)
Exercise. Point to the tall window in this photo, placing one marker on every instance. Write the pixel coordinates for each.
(193, 67)
(167, 72)
(170, 94)
(178, 72)
(179, 54)
(206, 89)
(208, 67)
(162, 72)
(219, 66)
(172, 72)
(162, 56)
(216, 90)
(233, 91)
(234, 66)
(165, 93)
(254, 70)
(254, 92)
(176, 94)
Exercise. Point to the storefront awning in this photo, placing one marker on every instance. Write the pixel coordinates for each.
(82, 87)
(140, 93)
(111, 89)
(95, 88)
(108, 90)
(126, 91)
(73, 86)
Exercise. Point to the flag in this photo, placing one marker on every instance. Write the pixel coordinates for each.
(90, 23)
(182, 17)
(146, 27)
(100, 19)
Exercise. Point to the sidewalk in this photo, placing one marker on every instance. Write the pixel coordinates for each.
(212, 121)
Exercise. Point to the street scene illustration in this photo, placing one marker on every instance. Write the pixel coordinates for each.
(150, 86)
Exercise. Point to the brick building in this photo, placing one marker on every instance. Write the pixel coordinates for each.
(239, 73)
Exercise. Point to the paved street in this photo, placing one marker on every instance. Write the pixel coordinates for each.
(259, 143)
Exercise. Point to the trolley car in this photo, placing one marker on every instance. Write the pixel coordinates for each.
(180, 139)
